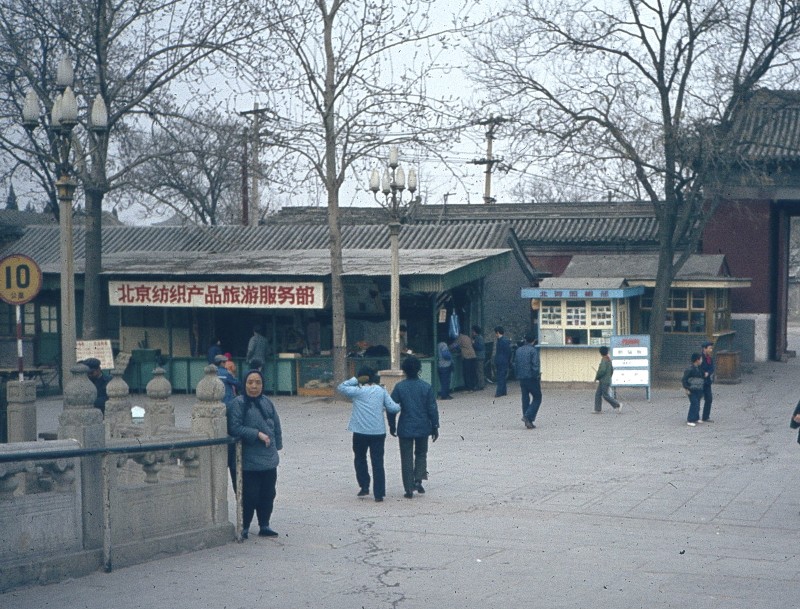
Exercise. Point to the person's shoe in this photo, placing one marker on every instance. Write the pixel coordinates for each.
(691, 423)
(528, 423)
(618, 409)
(266, 532)
(597, 412)
(708, 420)
(378, 499)
(245, 533)
(418, 488)
(408, 495)
(363, 492)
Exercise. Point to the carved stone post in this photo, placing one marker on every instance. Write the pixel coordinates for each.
(160, 413)
(81, 421)
(21, 411)
(208, 419)
(118, 406)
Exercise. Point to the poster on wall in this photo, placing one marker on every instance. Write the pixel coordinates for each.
(98, 349)
(631, 357)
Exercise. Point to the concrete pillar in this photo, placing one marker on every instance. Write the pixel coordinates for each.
(118, 405)
(21, 411)
(160, 413)
(208, 419)
(81, 421)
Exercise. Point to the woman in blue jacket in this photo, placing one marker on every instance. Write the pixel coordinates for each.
(253, 418)
(368, 425)
(419, 418)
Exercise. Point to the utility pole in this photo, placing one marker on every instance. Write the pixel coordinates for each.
(492, 122)
(250, 209)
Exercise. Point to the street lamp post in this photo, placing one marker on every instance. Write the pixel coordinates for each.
(63, 118)
(392, 186)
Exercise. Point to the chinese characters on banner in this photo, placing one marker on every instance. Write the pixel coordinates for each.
(277, 295)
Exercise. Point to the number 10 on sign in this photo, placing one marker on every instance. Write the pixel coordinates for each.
(20, 282)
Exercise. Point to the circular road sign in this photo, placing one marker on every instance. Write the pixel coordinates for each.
(20, 279)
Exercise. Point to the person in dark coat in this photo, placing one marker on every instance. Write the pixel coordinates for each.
(252, 418)
(707, 366)
(502, 360)
(214, 350)
(419, 418)
(693, 382)
(795, 422)
(528, 370)
(99, 380)
(480, 355)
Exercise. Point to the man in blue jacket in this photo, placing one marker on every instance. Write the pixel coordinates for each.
(707, 366)
(502, 359)
(529, 374)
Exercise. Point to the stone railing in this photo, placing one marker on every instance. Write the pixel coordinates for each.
(110, 492)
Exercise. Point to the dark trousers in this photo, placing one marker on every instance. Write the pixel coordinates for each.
(531, 397)
(601, 394)
(469, 368)
(444, 381)
(373, 443)
(501, 370)
(694, 406)
(480, 373)
(707, 399)
(258, 495)
(413, 461)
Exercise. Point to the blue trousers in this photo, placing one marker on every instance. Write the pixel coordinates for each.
(707, 399)
(374, 444)
(501, 370)
(531, 397)
(694, 406)
(444, 381)
(413, 461)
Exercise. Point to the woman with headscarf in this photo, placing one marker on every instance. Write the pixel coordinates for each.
(253, 418)
(368, 425)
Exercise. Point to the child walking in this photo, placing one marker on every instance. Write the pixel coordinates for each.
(604, 373)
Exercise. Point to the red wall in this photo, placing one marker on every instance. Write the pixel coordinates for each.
(741, 230)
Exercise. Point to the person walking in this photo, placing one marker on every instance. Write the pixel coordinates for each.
(463, 344)
(257, 348)
(707, 366)
(502, 360)
(604, 373)
(419, 418)
(528, 370)
(479, 344)
(693, 382)
(253, 419)
(367, 423)
(444, 366)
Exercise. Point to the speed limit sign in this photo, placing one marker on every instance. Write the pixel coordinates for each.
(20, 279)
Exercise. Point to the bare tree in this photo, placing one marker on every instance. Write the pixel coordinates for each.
(348, 78)
(190, 166)
(130, 53)
(638, 89)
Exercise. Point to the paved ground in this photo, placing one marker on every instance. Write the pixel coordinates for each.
(612, 511)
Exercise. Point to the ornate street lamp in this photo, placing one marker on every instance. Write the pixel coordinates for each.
(63, 118)
(392, 187)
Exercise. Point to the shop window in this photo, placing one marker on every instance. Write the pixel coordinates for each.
(48, 319)
(8, 319)
(576, 313)
(550, 314)
(576, 322)
(686, 311)
(29, 319)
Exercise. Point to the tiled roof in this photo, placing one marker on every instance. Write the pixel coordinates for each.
(644, 267)
(768, 128)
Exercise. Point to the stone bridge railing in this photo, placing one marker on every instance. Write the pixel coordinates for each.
(111, 492)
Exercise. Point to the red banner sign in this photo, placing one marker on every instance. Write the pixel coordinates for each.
(216, 294)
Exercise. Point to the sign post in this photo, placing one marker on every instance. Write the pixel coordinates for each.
(631, 357)
(20, 282)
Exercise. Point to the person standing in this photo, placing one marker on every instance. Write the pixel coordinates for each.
(463, 344)
(231, 384)
(367, 423)
(444, 366)
(253, 419)
(419, 418)
(502, 360)
(257, 348)
(707, 366)
(214, 350)
(527, 368)
(604, 373)
(693, 383)
(480, 357)
(100, 381)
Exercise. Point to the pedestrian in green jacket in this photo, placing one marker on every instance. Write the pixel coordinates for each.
(604, 373)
